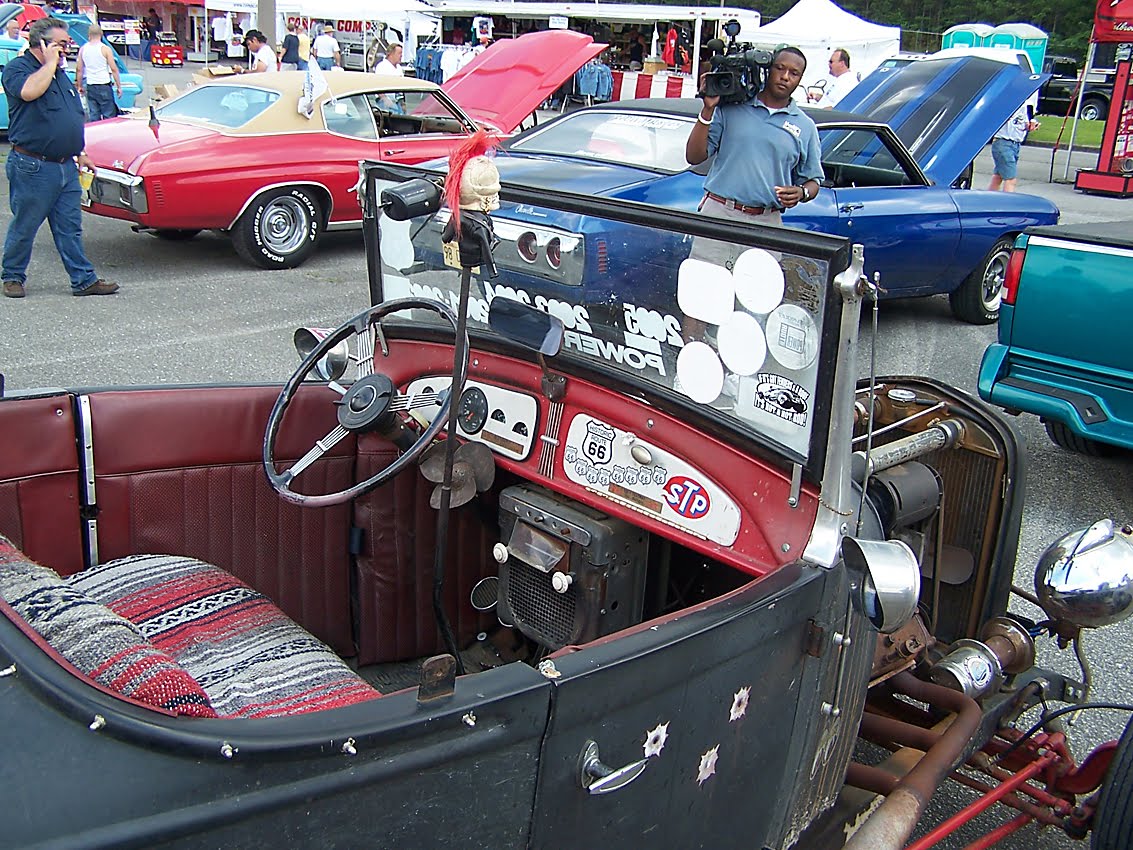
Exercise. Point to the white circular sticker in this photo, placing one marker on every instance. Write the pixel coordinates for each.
(741, 343)
(792, 338)
(759, 280)
(700, 372)
(705, 291)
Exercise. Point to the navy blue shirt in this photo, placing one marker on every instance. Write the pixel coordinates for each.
(52, 124)
(758, 148)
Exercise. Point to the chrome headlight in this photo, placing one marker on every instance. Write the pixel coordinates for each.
(1086, 577)
(885, 581)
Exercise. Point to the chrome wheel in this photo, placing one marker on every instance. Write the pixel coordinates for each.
(995, 272)
(285, 224)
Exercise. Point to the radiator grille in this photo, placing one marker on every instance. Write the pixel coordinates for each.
(540, 612)
(972, 509)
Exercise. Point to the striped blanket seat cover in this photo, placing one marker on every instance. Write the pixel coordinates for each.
(248, 656)
(100, 644)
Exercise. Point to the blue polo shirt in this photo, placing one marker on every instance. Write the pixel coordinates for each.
(52, 124)
(758, 148)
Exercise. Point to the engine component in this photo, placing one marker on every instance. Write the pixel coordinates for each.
(977, 667)
(900, 650)
(1085, 578)
(938, 436)
(571, 573)
(905, 494)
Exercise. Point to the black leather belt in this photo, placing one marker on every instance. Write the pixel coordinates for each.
(40, 156)
(738, 207)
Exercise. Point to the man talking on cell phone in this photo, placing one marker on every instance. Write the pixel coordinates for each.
(45, 128)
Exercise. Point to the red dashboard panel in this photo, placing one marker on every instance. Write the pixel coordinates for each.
(771, 533)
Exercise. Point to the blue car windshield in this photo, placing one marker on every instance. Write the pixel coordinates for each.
(646, 141)
(228, 106)
(715, 324)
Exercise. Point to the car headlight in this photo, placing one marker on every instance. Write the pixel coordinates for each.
(885, 581)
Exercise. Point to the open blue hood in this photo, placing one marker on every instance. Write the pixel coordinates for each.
(944, 110)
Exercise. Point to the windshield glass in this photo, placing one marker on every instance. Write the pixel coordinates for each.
(228, 106)
(721, 325)
(647, 141)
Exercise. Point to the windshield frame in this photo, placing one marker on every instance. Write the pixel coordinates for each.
(833, 250)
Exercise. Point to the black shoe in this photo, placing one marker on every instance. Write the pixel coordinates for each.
(99, 287)
(14, 289)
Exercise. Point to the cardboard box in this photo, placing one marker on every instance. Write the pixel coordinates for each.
(654, 66)
(165, 91)
(212, 72)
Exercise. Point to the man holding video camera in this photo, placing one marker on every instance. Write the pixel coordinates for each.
(767, 152)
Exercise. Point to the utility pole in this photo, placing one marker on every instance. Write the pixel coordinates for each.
(265, 21)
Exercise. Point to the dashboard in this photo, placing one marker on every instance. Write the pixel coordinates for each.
(502, 419)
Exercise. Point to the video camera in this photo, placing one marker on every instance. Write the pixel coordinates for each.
(737, 76)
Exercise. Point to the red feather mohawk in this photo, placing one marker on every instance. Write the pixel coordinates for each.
(478, 144)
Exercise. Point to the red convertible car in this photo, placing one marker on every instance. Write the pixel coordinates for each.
(242, 155)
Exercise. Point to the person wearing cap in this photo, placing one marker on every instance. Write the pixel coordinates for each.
(326, 49)
(262, 60)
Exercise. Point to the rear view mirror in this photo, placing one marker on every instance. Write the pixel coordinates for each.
(530, 327)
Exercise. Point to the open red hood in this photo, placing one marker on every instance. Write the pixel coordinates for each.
(508, 81)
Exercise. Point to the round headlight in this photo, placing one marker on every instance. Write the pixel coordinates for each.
(885, 580)
(1086, 577)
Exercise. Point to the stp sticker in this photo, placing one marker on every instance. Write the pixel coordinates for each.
(687, 497)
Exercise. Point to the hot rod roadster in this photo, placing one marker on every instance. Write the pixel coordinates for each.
(495, 570)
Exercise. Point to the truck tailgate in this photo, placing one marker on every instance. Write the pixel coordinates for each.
(1075, 297)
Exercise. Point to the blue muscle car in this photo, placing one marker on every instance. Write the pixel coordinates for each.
(895, 168)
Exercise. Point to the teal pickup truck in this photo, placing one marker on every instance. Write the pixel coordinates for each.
(1065, 348)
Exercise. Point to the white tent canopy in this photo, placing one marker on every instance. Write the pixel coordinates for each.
(818, 27)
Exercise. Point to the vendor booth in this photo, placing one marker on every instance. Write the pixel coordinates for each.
(616, 24)
(818, 27)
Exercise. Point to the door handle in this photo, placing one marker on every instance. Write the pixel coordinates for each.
(392, 151)
(598, 778)
(850, 207)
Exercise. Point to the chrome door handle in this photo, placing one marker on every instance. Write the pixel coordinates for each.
(392, 151)
(850, 207)
(598, 778)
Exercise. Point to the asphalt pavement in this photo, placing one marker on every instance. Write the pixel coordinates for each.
(193, 312)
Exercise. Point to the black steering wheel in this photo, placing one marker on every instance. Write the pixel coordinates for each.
(370, 403)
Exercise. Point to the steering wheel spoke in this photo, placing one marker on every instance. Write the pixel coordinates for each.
(320, 448)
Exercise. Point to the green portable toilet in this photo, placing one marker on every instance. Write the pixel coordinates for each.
(1025, 37)
(967, 35)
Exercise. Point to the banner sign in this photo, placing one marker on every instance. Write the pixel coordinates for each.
(1113, 21)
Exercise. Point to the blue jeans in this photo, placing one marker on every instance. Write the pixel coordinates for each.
(1005, 156)
(40, 190)
(325, 62)
(100, 101)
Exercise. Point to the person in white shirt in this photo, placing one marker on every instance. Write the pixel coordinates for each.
(96, 75)
(326, 49)
(840, 81)
(263, 59)
(391, 65)
(12, 30)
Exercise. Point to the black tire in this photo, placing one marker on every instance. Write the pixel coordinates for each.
(1066, 439)
(175, 235)
(279, 229)
(1094, 109)
(977, 298)
(1113, 821)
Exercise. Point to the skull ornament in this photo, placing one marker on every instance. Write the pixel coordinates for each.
(480, 185)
